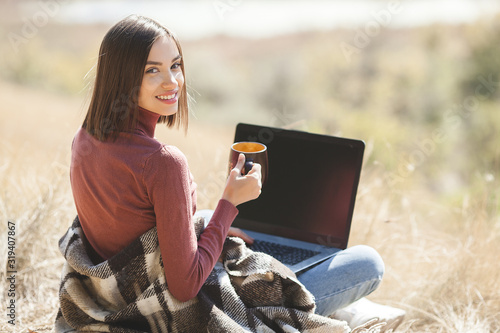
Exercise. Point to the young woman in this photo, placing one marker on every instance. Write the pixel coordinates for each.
(125, 182)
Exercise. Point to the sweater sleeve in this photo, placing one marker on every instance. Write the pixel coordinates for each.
(187, 261)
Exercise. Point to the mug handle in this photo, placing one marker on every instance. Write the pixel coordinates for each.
(248, 166)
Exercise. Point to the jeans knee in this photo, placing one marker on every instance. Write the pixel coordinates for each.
(371, 260)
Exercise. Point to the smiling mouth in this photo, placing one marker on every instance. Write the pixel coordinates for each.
(167, 97)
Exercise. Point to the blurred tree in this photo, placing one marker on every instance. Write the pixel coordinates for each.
(484, 62)
(480, 95)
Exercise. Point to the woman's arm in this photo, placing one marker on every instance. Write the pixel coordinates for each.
(189, 261)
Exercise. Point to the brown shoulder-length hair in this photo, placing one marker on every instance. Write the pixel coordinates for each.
(120, 68)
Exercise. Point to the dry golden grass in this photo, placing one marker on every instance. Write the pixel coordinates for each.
(441, 260)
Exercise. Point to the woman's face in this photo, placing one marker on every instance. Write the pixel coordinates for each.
(163, 78)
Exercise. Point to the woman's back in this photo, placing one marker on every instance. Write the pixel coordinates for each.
(111, 183)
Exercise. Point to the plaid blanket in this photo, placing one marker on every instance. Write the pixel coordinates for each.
(247, 292)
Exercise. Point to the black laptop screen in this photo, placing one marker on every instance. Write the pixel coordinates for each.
(311, 186)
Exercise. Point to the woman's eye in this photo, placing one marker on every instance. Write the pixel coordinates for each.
(176, 65)
(152, 70)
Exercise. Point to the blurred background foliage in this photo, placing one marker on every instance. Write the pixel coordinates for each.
(425, 99)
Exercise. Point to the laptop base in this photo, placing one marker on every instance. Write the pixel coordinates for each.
(318, 253)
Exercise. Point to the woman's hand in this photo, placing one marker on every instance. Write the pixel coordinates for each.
(237, 232)
(240, 189)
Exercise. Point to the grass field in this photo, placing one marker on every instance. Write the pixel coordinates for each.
(442, 261)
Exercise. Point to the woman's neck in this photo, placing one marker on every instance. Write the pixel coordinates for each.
(146, 121)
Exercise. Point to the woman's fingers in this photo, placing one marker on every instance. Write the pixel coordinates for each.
(237, 232)
(256, 172)
(239, 165)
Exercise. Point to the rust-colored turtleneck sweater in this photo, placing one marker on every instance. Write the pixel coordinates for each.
(125, 187)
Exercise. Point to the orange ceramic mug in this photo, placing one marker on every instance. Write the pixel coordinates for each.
(254, 152)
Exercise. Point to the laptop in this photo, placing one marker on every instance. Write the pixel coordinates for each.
(303, 215)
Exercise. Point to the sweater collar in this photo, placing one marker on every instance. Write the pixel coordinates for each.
(146, 121)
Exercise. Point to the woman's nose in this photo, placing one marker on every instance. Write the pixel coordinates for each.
(169, 80)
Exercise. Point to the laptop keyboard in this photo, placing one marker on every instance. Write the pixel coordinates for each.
(288, 255)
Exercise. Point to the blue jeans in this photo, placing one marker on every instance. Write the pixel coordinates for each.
(342, 279)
